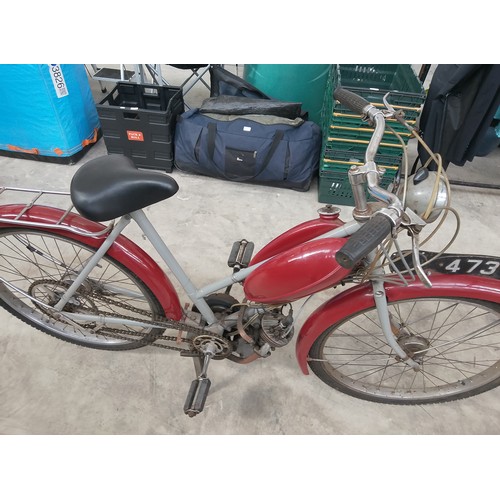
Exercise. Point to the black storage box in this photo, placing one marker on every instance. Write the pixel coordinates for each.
(138, 121)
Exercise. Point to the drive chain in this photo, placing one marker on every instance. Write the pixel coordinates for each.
(148, 339)
(152, 339)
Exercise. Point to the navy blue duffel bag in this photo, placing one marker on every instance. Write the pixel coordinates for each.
(257, 148)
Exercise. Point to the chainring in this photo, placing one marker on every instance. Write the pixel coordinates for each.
(224, 346)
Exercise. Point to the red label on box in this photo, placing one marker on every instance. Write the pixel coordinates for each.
(134, 135)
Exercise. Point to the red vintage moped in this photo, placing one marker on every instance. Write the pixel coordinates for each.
(413, 327)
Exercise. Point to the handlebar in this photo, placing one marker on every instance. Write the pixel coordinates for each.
(359, 105)
(351, 100)
(379, 226)
(364, 241)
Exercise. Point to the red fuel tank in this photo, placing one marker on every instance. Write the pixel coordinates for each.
(327, 221)
(296, 273)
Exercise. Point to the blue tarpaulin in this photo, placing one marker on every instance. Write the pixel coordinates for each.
(47, 110)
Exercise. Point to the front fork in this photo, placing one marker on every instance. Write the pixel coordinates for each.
(385, 322)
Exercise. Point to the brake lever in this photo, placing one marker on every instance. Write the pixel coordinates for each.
(398, 114)
(388, 106)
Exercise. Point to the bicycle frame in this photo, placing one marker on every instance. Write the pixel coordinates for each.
(132, 256)
(197, 295)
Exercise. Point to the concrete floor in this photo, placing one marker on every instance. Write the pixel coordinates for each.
(52, 387)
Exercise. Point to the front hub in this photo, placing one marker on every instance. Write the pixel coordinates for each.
(413, 345)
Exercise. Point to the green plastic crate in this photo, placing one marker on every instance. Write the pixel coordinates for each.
(346, 135)
(334, 187)
(328, 101)
(344, 130)
(348, 119)
(359, 145)
(348, 158)
(400, 77)
(373, 81)
(352, 131)
(334, 184)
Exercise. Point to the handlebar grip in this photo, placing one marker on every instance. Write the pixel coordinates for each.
(353, 101)
(364, 241)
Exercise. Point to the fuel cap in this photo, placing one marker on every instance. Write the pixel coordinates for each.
(329, 212)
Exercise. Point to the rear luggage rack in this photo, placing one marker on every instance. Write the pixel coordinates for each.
(24, 208)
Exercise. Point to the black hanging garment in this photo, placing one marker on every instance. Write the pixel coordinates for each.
(459, 109)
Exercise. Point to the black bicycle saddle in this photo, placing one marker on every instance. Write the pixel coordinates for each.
(111, 186)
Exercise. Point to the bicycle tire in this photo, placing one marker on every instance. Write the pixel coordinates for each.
(42, 264)
(455, 341)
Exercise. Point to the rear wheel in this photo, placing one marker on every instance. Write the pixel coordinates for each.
(456, 342)
(41, 266)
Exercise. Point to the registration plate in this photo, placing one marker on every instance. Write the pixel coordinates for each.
(476, 265)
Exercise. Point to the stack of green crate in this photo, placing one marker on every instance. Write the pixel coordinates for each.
(346, 135)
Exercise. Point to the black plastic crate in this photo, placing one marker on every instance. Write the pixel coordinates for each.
(138, 121)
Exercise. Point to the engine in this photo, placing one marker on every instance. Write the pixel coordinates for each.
(261, 329)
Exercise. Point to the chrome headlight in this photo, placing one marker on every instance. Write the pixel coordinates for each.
(420, 193)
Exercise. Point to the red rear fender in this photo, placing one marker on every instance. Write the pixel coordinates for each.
(123, 250)
(360, 297)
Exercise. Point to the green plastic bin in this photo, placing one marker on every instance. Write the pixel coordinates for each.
(305, 83)
(334, 186)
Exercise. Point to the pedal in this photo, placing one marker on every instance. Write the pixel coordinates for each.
(197, 395)
(198, 392)
(241, 254)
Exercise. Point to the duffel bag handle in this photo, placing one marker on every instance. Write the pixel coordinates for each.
(212, 133)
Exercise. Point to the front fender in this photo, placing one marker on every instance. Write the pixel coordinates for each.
(360, 297)
(123, 250)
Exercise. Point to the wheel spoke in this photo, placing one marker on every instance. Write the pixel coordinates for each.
(453, 340)
(43, 266)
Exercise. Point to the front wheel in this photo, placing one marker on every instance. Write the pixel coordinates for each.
(456, 342)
